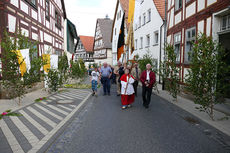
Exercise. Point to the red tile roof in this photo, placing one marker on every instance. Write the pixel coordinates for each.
(160, 5)
(87, 42)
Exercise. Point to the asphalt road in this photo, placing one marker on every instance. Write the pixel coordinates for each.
(102, 127)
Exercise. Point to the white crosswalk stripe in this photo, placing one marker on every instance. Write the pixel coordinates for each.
(65, 107)
(65, 97)
(25, 131)
(76, 96)
(35, 123)
(52, 98)
(49, 112)
(15, 146)
(42, 117)
(56, 108)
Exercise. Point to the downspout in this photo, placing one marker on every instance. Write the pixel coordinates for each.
(160, 47)
(165, 41)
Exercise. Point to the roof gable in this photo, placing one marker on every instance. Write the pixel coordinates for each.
(106, 31)
(87, 42)
(160, 5)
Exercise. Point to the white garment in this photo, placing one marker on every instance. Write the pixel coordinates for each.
(95, 75)
(147, 76)
(130, 89)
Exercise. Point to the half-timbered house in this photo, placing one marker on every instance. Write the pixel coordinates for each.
(102, 44)
(84, 50)
(39, 20)
(187, 18)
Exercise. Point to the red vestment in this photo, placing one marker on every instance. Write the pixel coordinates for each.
(127, 97)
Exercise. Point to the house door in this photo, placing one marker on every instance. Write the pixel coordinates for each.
(224, 39)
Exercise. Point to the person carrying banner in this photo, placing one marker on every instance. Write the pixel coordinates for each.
(127, 91)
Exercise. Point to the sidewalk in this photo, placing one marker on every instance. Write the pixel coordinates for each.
(220, 122)
(40, 120)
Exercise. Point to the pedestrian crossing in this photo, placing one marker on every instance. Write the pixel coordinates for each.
(28, 132)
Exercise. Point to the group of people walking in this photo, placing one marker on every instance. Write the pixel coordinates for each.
(127, 79)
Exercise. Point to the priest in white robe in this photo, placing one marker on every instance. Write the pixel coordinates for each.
(127, 90)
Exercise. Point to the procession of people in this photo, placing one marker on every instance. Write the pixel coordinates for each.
(126, 79)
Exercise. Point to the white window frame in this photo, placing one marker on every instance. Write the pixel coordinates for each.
(189, 39)
(136, 41)
(177, 42)
(144, 19)
(139, 22)
(156, 39)
(147, 40)
(177, 4)
(149, 15)
(227, 24)
(141, 42)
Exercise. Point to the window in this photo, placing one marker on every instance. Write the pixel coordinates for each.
(225, 23)
(147, 40)
(178, 4)
(32, 3)
(139, 22)
(142, 1)
(47, 9)
(58, 52)
(144, 19)
(115, 31)
(149, 15)
(156, 38)
(177, 46)
(57, 20)
(135, 44)
(188, 1)
(141, 42)
(189, 40)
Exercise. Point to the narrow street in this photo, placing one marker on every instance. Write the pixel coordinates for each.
(102, 127)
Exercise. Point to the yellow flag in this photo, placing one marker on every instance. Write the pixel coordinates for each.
(131, 10)
(46, 58)
(21, 62)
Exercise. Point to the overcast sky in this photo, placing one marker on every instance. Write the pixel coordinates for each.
(84, 13)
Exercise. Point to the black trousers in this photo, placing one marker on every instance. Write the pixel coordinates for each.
(146, 95)
(135, 84)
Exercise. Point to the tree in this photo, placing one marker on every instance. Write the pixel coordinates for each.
(12, 78)
(147, 59)
(202, 80)
(63, 67)
(170, 71)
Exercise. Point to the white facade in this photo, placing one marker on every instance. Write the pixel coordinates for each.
(116, 29)
(148, 32)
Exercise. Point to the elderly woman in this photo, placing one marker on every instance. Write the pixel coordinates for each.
(127, 90)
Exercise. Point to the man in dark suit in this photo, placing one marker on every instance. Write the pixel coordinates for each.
(148, 79)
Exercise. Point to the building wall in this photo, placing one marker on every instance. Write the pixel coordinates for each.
(195, 13)
(116, 30)
(33, 22)
(109, 58)
(151, 28)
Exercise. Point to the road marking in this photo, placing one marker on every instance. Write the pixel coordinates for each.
(65, 107)
(42, 117)
(25, 131)
(77, 96)
(47, 137)
(66, 97)
(15, 146)
(52, 98)
(56, 108)
(49, 112)
(35, 123)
